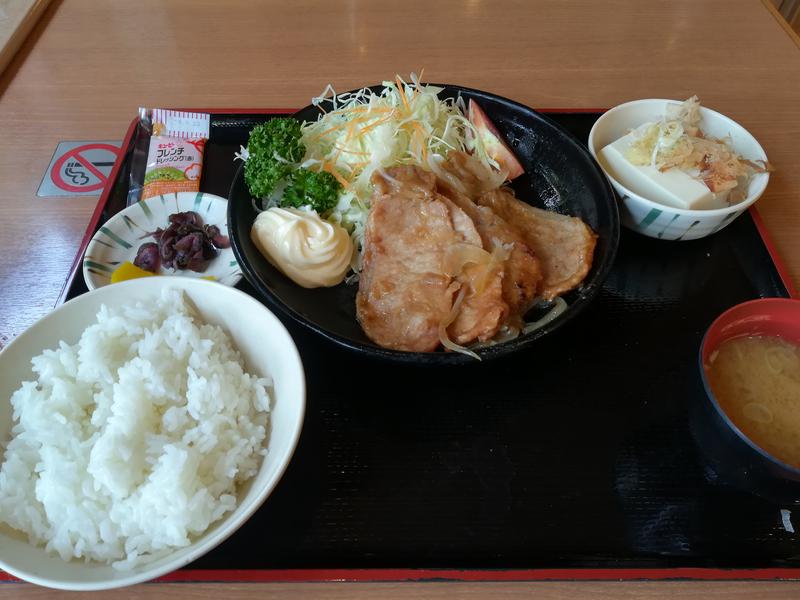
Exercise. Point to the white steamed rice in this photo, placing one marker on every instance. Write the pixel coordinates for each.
(132, 441)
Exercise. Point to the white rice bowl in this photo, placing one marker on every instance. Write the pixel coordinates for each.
(144, 442)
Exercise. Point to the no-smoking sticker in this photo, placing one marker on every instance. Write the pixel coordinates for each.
(79, 168)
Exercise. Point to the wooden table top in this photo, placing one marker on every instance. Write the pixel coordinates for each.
(88, 65)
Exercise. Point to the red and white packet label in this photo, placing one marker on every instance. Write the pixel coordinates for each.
(175, 155)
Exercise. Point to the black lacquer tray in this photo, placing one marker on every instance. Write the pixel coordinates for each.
(572, 459)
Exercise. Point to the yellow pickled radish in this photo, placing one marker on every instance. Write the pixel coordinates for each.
(128, 270)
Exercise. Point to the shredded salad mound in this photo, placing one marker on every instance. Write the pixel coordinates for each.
(678, 142)
(362, 132)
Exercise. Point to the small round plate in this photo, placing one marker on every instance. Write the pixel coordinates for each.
(119, 238)
(560, 175)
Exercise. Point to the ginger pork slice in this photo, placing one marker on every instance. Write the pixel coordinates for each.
(483, 309)
(521, 270)
(563, 244)
(406, 291)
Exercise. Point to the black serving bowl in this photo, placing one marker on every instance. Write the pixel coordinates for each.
(560, 175)
(733, 458)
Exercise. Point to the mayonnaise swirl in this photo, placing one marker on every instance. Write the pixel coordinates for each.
(310, 251)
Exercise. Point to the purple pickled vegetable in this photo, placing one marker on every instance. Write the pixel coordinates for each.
(189, 252)
(166, 246)
(186, 243)
(147, 257)
(219, 240)
(186, 218)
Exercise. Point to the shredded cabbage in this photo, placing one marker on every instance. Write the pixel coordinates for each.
(363, 132)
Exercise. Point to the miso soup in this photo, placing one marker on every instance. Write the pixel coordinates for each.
(756, 381)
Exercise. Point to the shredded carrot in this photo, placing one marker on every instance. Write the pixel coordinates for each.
(360, 119)
(417, 93)
(375, 124)
(401, 88)
(360, 109)
(326, 166)
(333, 128)
(330, 130)
(351, 130)
(351, 151)
(418, 128)
(336, 157)
(339, 126)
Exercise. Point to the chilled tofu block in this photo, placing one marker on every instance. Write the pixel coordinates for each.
(672, 187)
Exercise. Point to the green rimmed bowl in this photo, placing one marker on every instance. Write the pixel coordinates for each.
(119, 238)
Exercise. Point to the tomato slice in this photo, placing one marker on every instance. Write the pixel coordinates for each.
(493, 141)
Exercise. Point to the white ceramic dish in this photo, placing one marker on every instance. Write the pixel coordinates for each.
(664, 222)
(119, 238)
(266, 347)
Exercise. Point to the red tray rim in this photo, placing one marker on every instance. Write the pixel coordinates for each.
(423, 575)
(463, 575)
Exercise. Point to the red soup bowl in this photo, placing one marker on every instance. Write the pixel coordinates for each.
(734, 457)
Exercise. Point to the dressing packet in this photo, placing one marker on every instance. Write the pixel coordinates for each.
(175, 155)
